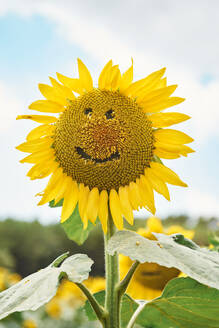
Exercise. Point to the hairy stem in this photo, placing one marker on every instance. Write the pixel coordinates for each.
(98, 309)
(112, 280)
(125, 282)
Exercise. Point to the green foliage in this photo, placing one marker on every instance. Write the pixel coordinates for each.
(128, 307)
(214, 241)
(25, 241)
(184, 303)
(59, 204)
(73, 228)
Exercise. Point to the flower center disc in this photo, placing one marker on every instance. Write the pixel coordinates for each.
(104, 140)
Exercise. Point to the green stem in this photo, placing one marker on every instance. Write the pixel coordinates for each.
(112, 281)
(125, 282)
(98, 309)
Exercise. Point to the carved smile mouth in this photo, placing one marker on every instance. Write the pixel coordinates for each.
(84, 155)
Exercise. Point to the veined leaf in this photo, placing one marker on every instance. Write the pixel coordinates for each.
(170, 251)
(185, 303)
(38, 288)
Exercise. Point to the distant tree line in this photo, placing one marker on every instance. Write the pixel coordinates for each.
(26, 247)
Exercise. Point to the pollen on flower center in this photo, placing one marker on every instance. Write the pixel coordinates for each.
(104, 140)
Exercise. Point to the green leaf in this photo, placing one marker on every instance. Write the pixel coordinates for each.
(185, 303)
(180, 239)
(73, 228)
(214, 240)
(59, 204)
(199, 263)
(157, 159)
(38, 288)
(100, 297)
(128, 307)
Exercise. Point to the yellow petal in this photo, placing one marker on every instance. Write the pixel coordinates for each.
(115, 208)
(70, 200)
(156, 107)
(103, 74)
(35, 145)
(73, 84)
(41, 131)
(146, 83)
(172, 148)
(157, 183)
(82, 203)
(115, 79)
(57, 174)
(84, 76)
(39, 156)
(154, 225)
(113, 72)
(186, 150)
(125, 204)
(93, 204)
(42, 170)
(172, 136)
(147, 194)
(51, 193)
(51, 93)
(161, 120)
(64, 91)
(38, 118)
(46, 106)
(161, 83)
(134, 196)
(62, 189)
(156, 96)
(167, 174)
(127, 78)
(103, 210)
(165, 154)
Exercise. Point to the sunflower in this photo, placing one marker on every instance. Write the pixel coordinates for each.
(103, 149)
(150, 278)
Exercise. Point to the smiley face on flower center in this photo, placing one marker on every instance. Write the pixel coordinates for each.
(104, 140)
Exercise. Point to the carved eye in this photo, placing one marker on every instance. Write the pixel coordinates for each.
(109, 114)
(87, 111)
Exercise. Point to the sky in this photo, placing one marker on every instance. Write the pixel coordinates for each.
(40, 38)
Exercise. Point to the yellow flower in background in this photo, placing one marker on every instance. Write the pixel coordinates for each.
(29, 324)
(102, 149)
(8, 279)
(150, 278)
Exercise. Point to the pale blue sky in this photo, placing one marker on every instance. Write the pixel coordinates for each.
(39, 38)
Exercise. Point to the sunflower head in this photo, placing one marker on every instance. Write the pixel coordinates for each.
(102, 149)
(150, 278)
(103, 140)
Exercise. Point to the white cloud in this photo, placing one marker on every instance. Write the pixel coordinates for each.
(10, 107)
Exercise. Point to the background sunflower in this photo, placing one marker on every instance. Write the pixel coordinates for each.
(150, 279)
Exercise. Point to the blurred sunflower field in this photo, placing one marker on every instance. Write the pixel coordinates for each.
(66, 309)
